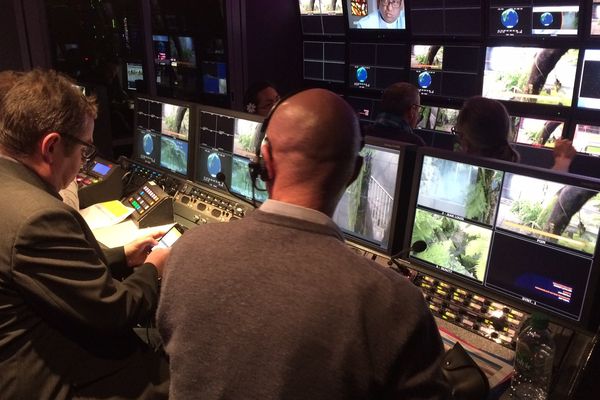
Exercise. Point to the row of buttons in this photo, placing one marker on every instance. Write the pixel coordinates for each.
(488, 318)
(145, 199)
(85, 180)
(207, 198)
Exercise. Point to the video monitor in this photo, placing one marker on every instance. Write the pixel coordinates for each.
(147, 147)
(183, 52)
(175, 121)
(226, 142)
(174, 154)
(162, 49)
(530, 74)
(368, 211)
(445, 70)
(135, 72)
(162, 133)
(376, 14)
(586, 139)
(241, 182)
(595, 23)
(446, 18)
(324, 61)
(365, 108)
(247, 133)
(321, 17)
(209, 163)
(317, 7)
(589, 86)
(524, 233)
(438, 118)
(536, 132)
(214, 77)
(535, 20)
(377, 65)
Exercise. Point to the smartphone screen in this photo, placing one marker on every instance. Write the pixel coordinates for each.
(170, 237)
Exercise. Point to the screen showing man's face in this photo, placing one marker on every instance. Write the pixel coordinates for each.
(390, 9)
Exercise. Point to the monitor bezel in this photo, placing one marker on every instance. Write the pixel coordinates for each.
(404, 172)
(589, 318)
(191, 134)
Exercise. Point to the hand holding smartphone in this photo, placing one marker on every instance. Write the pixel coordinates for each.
(170, 237)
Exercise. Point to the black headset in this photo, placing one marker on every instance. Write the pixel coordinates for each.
(257, 165)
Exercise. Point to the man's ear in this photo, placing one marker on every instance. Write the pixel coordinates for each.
(265, 151)
(48, 146)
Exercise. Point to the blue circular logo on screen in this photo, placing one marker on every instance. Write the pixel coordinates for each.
(424, 79)
(148, 144)
(509, 18)
(362, 74)
(546, 19)
(213, 163)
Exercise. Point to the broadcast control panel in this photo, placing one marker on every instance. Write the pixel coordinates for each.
(200, 205)
(474, 312)
(193, 203)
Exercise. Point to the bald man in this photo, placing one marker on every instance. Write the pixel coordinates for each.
(275, 306)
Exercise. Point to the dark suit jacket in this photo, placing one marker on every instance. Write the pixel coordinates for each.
(65, 322)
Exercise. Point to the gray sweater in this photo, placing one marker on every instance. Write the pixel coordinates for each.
(272, 307)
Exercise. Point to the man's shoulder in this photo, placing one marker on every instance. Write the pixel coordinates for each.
(369, 21)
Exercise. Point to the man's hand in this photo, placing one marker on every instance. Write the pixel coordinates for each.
(137, 251)
(158, 257)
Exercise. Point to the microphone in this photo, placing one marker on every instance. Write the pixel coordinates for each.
(223, 179)
(416, 247)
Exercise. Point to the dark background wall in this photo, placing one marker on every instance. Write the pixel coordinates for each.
(272, 43)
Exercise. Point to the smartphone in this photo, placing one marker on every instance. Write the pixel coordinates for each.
(170, 237)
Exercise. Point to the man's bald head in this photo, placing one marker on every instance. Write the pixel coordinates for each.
(311, 155)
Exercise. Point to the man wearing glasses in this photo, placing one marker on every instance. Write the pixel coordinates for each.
(389, 15)
(400, 112)
(67, 308)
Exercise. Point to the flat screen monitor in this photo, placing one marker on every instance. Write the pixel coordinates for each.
(586, 139)
(182, 50)
(589, 86)
(536, 132)
(322, 17)
(446, 18)
(369, 211)
(376, 14)
(135, 72)
(214, 77)
(530, 74)
(439, 119)
(162, 49)
(377, 65)
(226, 143)
(451, 71)
(324, 61)
(535, 19)
(162, 133)
(524, 233)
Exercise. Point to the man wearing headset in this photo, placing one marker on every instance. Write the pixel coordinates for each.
(275, 306)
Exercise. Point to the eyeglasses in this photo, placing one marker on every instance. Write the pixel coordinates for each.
(88, 151)
(393, 3)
